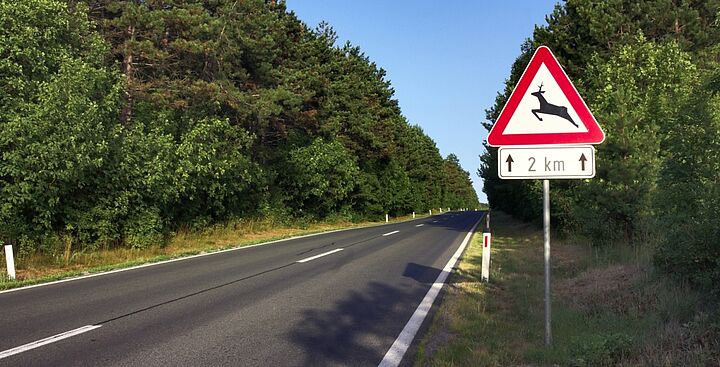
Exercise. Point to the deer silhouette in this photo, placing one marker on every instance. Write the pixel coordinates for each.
(549, 108)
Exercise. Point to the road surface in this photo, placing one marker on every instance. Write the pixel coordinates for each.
(340, 298)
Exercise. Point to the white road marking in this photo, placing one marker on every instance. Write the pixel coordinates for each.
(396, 352)
(48, 340)
(318, 256)
(389, 233)
(209, 253)
(419, 225)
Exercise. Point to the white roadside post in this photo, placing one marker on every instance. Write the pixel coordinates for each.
(10, 260)
(558, 148)
(413, 215)
(430, 211)
(387, 218)
(485, 275)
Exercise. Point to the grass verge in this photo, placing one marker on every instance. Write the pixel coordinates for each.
(609, 309)
(42, 268)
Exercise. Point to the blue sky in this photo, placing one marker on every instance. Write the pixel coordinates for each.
(446, 59)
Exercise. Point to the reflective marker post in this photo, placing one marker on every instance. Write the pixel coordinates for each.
(10, 261)
(546, 233)
(485, 275)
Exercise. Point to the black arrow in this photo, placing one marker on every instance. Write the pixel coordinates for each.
(582, 161)
(509, 161)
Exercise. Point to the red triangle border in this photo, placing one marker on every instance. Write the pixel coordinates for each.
(543, 55)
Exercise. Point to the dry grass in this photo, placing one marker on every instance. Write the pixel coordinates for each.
(680, 344)
(40, 267)
(608, 309)
(478, 324)
(615, 288)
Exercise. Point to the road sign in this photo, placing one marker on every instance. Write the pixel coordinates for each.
(545, 109)
(577, 161)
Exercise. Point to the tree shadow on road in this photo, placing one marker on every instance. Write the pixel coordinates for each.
(358, 330)
(421, 273)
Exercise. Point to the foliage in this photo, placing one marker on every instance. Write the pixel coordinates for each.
(56, 130)
(458, 186)
(122, 122)
(320, 177)
(648, 70)
(689, 195)
(606, 349)
(639, 94)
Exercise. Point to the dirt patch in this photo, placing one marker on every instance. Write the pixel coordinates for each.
(614, 288)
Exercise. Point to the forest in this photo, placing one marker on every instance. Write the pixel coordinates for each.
(124, 121)
(650, 72)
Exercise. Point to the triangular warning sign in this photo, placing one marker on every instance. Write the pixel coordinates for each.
(545, 109)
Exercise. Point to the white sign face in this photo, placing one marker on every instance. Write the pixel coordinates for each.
(544, 109)
(546, 162)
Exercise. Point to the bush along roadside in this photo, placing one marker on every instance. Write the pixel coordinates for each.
(609, 309)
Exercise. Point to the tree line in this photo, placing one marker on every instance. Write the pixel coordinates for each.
(123, 121)
(649, 70)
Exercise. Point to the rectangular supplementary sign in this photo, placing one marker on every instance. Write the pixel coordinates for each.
(546, 162)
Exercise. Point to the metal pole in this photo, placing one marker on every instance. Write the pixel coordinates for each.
(546, 232)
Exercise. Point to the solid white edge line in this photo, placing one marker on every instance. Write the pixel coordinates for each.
(389, 233)
(319, 256)
(70, 279)
(48, 340)
(397, 351)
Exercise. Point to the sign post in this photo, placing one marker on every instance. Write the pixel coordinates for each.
(545, 133)
(546, 251)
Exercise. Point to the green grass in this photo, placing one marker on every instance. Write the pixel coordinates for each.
(609, 309)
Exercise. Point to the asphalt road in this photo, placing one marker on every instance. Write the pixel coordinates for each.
(256, 306)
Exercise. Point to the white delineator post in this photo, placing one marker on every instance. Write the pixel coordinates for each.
(485, 275)
(10, 260)
(430, 211)
(413, 215)
(387, 218)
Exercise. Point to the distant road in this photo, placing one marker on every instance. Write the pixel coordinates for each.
(340, 298)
